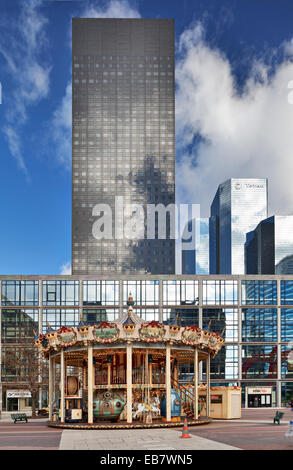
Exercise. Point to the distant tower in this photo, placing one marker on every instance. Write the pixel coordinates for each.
(239, 205)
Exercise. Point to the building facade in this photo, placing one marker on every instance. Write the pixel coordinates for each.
(253, 313)
(123, 143)
(195, 255)
(239, 205)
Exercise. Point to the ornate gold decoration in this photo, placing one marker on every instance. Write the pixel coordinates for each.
(152, 332)
(191, 335)
(106, 332)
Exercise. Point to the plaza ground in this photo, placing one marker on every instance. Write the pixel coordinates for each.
(254, 431)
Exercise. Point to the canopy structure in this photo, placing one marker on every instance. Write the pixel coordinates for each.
(128, 368)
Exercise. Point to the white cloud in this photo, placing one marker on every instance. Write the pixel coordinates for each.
(66, 269)
(247, 134)
(22, 42)
(113, 9)
(62, 123)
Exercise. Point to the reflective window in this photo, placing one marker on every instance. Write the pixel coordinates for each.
(287, 292)
(60, 292)
(223, 321)
(259, 292)
(287, 362)
(20, 293)
(100, 292)
(259, 324)
(60, 317)
(220, 292)
(95, 315)
(286, 324)
(287, 394)
(148, 314)
(225, 364)
(259, 361)
(19, 326)
(180, 316)
(177, 292)
(143, 292)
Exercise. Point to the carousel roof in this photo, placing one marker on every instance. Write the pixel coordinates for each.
(129, 327)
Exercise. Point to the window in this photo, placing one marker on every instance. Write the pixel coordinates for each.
(100, 292)
(177, 292)
(220, 292)
(259, 292)
(259, 324)
(60, 292)
(143, 292)
(20, 293)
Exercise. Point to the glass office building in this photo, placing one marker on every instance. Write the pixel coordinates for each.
(195, 249)
(253, 313)
(239, 205)
(273, 247)
(123, 142)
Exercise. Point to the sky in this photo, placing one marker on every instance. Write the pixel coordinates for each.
(234, 111)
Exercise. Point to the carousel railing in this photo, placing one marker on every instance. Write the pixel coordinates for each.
(186, 396)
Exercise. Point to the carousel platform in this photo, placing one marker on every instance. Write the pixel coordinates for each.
(124, 425)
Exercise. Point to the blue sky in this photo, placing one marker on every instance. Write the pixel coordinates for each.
(234, 64)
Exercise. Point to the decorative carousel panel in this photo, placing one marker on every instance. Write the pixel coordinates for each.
(66, 336)
(191, 335)
(106, 332)
(152, 331)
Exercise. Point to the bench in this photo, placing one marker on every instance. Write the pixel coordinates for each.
(279, 415)
(19, 417)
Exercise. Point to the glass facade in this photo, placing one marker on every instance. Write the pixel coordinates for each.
(256, 323)
(239, 205)
(123, 141)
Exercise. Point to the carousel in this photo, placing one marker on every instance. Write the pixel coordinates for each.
(126, 373)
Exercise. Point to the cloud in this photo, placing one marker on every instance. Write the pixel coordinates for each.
(223, 132)
(61, 124)
(22, 43)
(66, 269)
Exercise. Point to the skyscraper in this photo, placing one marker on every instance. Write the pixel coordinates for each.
(123, 144)
(273, 247)
(239, 205)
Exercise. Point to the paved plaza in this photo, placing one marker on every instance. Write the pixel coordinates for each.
(255, 431)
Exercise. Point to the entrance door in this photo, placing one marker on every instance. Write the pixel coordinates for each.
(12, 404)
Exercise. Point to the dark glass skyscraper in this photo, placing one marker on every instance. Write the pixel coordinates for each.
(123, 143)
(273, 243)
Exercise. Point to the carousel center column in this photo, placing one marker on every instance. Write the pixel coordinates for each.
(90, 385)
(129, 383)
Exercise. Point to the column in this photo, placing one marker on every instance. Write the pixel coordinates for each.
(90, 385)
(50, 387)
(208, 384)
(129, 383)
(62, 379)
(195, 390)
(168, 383)
(40, 322)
